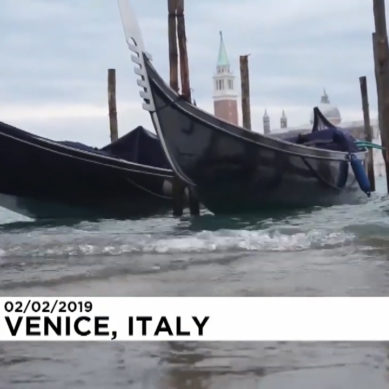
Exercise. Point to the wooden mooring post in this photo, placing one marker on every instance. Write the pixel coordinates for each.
(245, 82)
(381, 60)
(113, 116)
(177, 41)
(194, 206)
(178, 196)
(368, 130)
(173, 51)
(178, 186)
(184, 62)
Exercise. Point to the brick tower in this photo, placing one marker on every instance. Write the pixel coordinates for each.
(224, 96)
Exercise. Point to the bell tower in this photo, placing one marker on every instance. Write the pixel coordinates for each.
(224, 96)
(266, 123)
(284, 120)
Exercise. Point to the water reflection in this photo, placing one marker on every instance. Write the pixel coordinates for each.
(200, 365)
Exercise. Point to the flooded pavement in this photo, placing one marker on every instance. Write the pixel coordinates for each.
(195, 365)
(336, 251)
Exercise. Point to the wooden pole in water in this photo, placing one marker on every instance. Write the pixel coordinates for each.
(184, 62)
(245, 82)
(178, 185)
(194, 206)
(368, 130)
(113, 118)
(173, 51)
(178, 196)
(381, 60)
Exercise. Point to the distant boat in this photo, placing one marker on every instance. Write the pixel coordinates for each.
(41, 178)
(236, 170)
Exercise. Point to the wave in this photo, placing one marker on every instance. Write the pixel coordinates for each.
(201, 242)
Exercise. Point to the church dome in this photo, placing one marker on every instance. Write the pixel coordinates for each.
(331, 112)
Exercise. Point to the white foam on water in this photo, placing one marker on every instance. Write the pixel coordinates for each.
(225, 241)
(201, 242)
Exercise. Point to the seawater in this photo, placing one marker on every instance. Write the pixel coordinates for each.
(334, 251)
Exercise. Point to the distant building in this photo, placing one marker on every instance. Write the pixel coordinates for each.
(356, 128)
(331, 112)
(283, 121)
(225, 98)
(266, 123)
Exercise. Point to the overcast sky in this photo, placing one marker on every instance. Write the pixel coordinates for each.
(55, 55)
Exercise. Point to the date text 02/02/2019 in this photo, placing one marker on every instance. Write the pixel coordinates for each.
(47, 306)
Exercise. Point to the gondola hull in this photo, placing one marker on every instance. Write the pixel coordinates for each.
(235, 170)
(44, 179)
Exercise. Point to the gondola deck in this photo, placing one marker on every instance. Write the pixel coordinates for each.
(42, 178)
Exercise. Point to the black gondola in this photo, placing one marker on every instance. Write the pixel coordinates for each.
(234, 169)
(42, 178)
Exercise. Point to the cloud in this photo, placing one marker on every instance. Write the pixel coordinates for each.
(85, 123)
(55, 56)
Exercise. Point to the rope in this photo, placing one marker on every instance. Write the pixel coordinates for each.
(368, 145)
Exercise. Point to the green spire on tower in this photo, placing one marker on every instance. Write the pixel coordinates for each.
(222, 60)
